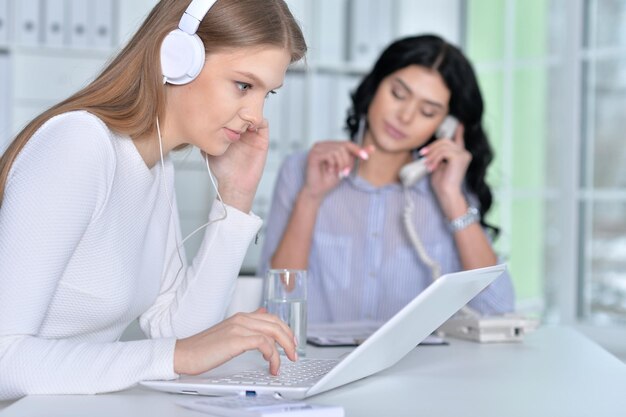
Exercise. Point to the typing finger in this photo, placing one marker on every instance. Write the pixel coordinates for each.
(270, 326)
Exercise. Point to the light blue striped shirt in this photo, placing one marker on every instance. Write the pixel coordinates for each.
(362, 265)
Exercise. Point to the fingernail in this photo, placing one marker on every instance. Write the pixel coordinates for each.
(344, 173)
(296, 356)
(295, 341)
(364, 155)
(423, 151)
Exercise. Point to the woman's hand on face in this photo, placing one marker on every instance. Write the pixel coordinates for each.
(328, 163)
(447, 160)
(240, 168)
(240, 333)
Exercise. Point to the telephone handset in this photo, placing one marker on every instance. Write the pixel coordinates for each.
(447, 128)
(414, 171)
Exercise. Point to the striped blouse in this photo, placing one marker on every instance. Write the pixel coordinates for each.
(362, 265)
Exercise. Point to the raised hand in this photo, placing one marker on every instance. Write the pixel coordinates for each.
(448, 161)
(327, 163)
(240, 168)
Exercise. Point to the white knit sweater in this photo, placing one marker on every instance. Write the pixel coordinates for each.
(85, 235)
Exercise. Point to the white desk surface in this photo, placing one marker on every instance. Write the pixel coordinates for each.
(555, 372)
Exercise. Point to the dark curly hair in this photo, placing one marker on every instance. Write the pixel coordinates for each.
(466, 103)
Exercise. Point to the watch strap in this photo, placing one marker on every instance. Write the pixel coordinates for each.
(472, 215)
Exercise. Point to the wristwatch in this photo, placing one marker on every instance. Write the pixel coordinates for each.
(472, 215)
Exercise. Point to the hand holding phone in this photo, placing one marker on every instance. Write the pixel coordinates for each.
(414, 171)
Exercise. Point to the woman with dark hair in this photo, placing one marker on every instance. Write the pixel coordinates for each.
(340, 210)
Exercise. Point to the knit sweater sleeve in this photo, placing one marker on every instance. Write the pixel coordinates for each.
(55, 188)
(195, 297)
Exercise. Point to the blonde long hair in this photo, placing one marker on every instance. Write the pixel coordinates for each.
(128, 95)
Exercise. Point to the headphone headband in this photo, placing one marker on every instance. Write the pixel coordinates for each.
(196, 11)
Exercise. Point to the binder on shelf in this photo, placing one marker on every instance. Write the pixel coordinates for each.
(103, 23)
(371, 28)
(27, 22)
(330, 105)
(54, 23)
(331, 18)
(79, 23)
(361, 43)
(322, 107)
(384, 14)
(346, 84)
(4, 21)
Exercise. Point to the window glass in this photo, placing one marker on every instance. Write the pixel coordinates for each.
(527, 247)
(515, 47)
(605, 294)
(531, 28)
(491, 85)
(605, 23)
(486, 24)
(602, 245)
(606, 107)
(529, 128)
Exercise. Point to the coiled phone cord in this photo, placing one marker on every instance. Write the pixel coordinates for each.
(435, 268)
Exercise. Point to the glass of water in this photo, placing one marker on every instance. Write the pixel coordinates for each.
(285, 296)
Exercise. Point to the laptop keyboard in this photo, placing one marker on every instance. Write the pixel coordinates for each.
(291, 374)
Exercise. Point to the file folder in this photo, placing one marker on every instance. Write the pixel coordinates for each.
(55, 23)
(27, 22)
(4, 21)
(103, 33)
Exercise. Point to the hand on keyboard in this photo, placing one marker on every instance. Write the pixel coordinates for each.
(240, 333)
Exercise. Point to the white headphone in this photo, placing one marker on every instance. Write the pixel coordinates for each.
(182, 51)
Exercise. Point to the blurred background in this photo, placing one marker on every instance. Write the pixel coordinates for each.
(553, 74)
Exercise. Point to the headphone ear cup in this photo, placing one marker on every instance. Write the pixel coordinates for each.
(182, 57)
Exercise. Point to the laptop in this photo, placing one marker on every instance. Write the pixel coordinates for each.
(248, 373)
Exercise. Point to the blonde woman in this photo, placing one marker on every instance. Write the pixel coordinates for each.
(89, 229)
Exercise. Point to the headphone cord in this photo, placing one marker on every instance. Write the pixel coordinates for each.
(180, 244)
